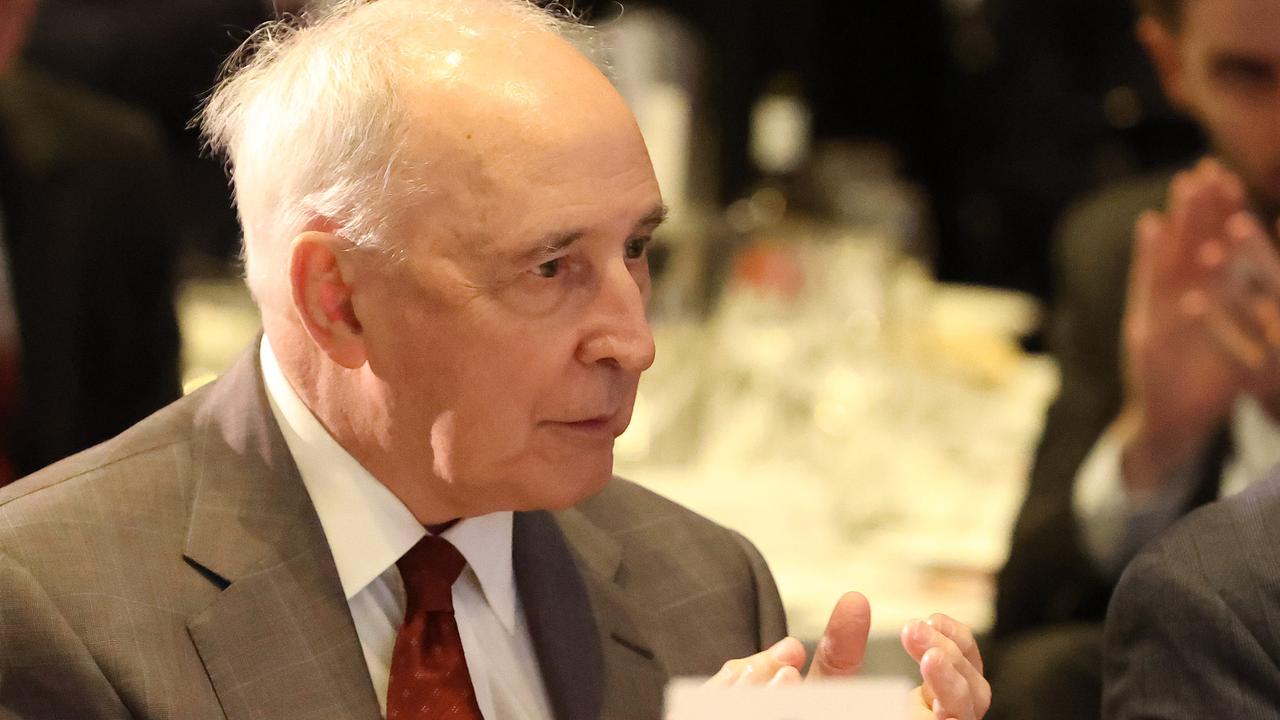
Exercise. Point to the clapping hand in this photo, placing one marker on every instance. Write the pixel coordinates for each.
(952, 687)
(1202, 323)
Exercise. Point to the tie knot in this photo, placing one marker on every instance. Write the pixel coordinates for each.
(429, 570)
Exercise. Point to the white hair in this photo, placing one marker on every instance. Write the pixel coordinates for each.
(309, 115)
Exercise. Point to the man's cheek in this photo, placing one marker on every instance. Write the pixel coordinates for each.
(476, 448)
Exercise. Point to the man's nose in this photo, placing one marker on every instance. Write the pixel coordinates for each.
(618, 328)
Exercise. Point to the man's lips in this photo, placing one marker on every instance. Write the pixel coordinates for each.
(609, 425)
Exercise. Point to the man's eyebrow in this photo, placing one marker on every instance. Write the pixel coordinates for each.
(555, 243)
(653, 219)
(1232, 61)
(551, 244)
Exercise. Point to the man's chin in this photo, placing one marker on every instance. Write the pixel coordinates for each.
(565, 489)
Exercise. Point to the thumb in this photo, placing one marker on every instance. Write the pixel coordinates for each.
(844, 642)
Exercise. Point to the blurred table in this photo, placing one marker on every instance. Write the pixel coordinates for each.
(218, 320)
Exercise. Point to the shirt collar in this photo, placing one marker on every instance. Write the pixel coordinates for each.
(485, 542)
(367, 527)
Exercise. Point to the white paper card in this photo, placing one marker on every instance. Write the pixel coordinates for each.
(855, 699)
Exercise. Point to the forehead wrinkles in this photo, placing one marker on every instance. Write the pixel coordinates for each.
(499, 124)
(479, 144)
(478, 184)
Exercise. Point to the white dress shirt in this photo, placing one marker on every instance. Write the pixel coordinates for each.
(368, 529)
(1114, 528)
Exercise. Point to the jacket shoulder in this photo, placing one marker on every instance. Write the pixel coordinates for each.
(677, 558)
(637, 516)
(1226, 548)
(1192, 628)
(153, 449)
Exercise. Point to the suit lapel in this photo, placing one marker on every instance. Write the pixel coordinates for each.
(593, 643)
(278, 641)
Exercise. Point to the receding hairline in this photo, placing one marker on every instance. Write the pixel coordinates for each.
(360, 185)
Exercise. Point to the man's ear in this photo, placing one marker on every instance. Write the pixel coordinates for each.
(320, 277)
(1162, 47)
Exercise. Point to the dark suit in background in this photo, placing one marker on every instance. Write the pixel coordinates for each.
(181, 571)
(82, 190)
(1194, 628)
(1051, 598)
(160, 57)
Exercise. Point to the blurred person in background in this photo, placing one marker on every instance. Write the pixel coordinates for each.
(1172, 406)
(1055, 99)
(159, 56)
(88, 338)
(1193, 629)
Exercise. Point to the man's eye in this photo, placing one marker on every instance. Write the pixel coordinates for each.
(549, 269)
(1246, 73)
(635, 248)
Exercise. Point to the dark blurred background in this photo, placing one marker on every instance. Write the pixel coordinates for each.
(1002, 111)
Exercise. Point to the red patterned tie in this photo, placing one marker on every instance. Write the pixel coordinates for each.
(429, 678)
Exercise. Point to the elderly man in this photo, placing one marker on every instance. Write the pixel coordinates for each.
(400, 502)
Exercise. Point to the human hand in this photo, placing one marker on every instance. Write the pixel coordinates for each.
(1182, 361)
(839, 652)
(1243, 308)
(950, 664)
(951, 667)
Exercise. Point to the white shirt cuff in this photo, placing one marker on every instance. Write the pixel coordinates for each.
(1113, 528)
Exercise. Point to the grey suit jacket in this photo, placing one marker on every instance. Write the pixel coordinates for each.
(180, 571)
(1193, 630)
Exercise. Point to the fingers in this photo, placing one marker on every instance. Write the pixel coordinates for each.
(778, 665)
(844, 642)
(952, 693)
(1148, 235)
(1254, 273)
(1239, 304)
(839, 653)
(788, 675)
(1201, 200)
(961, 635)
(920, 709)
(1230, 336)
(1267, 313)
(1245, 232)
(1181, 251)
(951, 667)
(1200, 203)
(919, 638)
